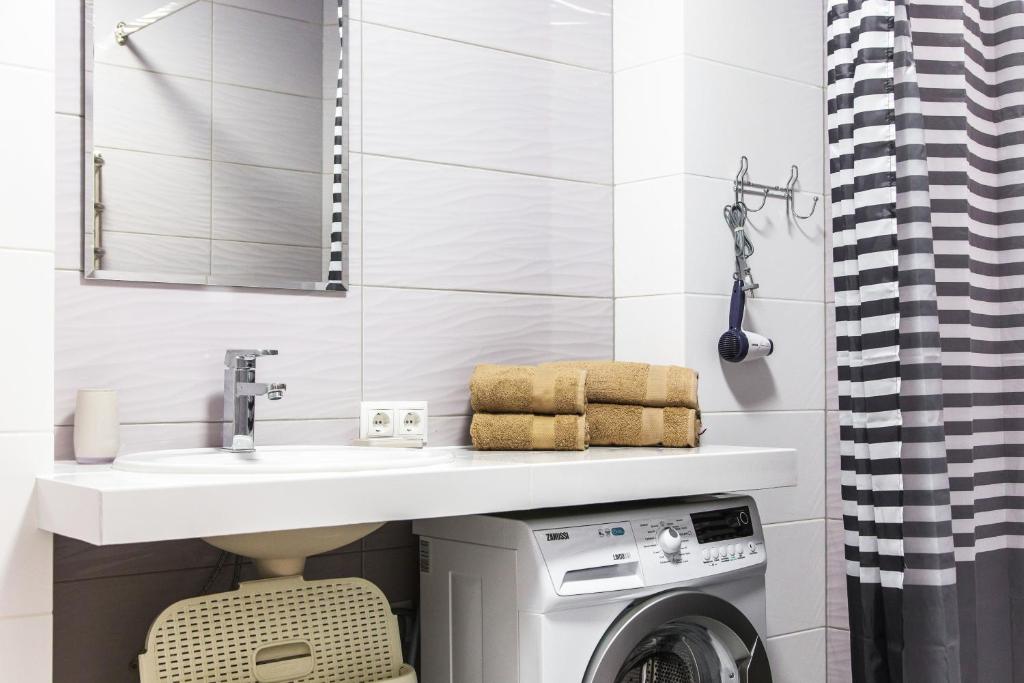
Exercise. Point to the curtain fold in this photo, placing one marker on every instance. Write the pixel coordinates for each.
(931, 352)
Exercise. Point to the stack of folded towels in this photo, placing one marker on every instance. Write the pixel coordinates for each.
(568, 405)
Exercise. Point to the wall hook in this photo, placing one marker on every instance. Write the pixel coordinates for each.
(742, 185)
(794, 176)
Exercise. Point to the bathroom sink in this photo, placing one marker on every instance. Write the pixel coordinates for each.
(281, 460)
(283, 553)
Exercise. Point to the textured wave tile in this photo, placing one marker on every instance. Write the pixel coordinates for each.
(178, 44)
(787, 127)
(267, 128)
(68, 179)
(155, 194)
(577, 33)
(450, 227)
(255, 204)
(151, 112)
(268, 52)
(438, 100)
(110, 336)
(423, 344)
(305, 10)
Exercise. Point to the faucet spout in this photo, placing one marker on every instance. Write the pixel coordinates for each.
(240, 392)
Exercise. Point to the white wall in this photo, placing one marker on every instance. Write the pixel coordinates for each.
(26, 349)
(481, 230)
(697, 85)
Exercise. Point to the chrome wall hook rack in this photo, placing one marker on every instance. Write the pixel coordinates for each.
(742, 186)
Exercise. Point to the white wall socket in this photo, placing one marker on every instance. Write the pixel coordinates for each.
(393, 419)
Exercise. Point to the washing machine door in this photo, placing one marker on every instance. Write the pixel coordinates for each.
(680, 637)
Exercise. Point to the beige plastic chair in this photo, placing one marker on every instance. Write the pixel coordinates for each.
(277, 631)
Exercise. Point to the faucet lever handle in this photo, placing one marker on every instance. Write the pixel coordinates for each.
(233, 356)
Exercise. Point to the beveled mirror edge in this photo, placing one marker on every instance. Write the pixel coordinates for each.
(88, 242)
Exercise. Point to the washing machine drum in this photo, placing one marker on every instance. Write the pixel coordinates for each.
(679, 652)
(680, 637)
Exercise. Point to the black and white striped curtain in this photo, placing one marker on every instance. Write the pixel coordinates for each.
(926, 142)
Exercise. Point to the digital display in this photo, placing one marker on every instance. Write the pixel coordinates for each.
(722, 525)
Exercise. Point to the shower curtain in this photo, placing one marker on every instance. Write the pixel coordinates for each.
(926, 154)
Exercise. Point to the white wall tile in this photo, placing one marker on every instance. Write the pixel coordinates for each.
(26, 347)
(68, 67)
(650, 233)
(651, 329)
(750, 35)
(440, 336)
(798, 657)
(306, 10)
(792, 378)
(179, 44)
(450, 227)
(574, 33)
(450, 431)
(833, 467)
(839, 667)
(804, 431)
(788, 253)
(651, 125)
(273, 261)
(438, 100)
(21, 45)
(151, 112)
(266, 51)
(254, 204)
(286, 128)
(838, 610)
(26, 648)
(647, 30)
(27, 145)
(775, 122)
(26, 579)
(155, 194)
(796, 567)
(68, 179)
(108, 333)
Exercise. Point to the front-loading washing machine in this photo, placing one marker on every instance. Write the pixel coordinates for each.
(670, 592)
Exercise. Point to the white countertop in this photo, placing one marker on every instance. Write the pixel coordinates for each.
(97, 504)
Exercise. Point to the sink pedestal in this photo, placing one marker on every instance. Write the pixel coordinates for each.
(284, 553)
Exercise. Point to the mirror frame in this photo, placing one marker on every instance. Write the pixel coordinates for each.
(91, 210)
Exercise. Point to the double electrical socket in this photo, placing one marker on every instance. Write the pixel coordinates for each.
(393, 420)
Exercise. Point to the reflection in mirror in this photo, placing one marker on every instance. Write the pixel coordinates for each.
(217, 132)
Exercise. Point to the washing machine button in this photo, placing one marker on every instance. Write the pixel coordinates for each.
(707, 555)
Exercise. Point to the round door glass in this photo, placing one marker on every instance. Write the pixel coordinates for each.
(679, 651)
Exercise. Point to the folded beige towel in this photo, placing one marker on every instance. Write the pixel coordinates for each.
(637, 384)
(529, 432)
(522, 389)
(616, 425)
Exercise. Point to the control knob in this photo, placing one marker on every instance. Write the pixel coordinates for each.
(670, 541)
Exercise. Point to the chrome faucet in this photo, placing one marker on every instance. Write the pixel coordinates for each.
(240, 392)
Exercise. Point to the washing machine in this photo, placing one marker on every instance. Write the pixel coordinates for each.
(670, 592)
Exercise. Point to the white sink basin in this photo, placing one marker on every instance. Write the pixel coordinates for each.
(281, 460)
(283, 553)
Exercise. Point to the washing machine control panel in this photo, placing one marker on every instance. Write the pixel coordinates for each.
(679, 543)
(690, 544)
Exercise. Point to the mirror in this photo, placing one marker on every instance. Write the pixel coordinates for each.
(217, 137)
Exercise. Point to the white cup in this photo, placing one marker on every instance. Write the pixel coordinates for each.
(97, 426)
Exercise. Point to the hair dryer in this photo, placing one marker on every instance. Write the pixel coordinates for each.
(736, 344)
